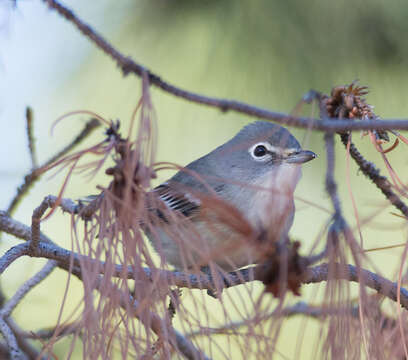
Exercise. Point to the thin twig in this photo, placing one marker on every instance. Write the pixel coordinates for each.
(17, 229)
(187, 348)
(26, 287)
(13, 254)
(48, 202)
(89, 127)
(30, 137)
(330, 182)
(127, 65)
(31, 178)
(22, 230)
(47, 333)
(300, 308)
(4, 352)
(14, 350)
(331, 186)
(373, 173)
(312, 275)
(10, 305)
(22, 341)
(372, 280)
(35, 224)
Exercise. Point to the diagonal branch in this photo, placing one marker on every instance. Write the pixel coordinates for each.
(373, 173)
(300, 308)
(10, 305)
(31, 178)
(127, 65)
(14, 350)
(13, 254)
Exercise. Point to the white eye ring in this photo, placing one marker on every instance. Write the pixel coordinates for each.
(261, 151)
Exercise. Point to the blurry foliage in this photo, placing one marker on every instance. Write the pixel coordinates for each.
(318, 43)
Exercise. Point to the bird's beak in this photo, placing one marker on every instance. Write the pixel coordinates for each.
(301, 157)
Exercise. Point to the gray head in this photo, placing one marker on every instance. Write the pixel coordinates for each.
(256, 149)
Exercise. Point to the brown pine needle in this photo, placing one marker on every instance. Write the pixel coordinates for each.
(399, 215)
(396, 142)
(385, 247)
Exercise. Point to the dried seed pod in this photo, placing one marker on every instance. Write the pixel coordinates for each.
(348, 102)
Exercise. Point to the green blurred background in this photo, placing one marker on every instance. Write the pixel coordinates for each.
(267, 53)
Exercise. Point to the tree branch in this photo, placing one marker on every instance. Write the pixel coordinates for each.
(15, 352)
(127, 65)
(32, 177)
(351, 273)
(373, 173)
(26, 287)
(18, 229)
(23, 342)
(192, 281)
(300, 308)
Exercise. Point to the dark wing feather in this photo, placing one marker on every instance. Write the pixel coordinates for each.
(182, 202)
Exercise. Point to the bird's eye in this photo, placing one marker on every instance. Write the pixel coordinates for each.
(260, 150)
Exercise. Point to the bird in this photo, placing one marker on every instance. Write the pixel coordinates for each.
(208, 210)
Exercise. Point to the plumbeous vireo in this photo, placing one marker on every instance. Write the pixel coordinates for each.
(201, 213)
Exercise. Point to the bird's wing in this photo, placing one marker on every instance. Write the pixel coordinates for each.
(180, 201)
(182, 192)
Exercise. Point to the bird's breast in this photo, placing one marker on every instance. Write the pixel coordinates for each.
(272, 203)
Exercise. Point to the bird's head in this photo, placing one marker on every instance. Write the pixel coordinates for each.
(261, 148)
